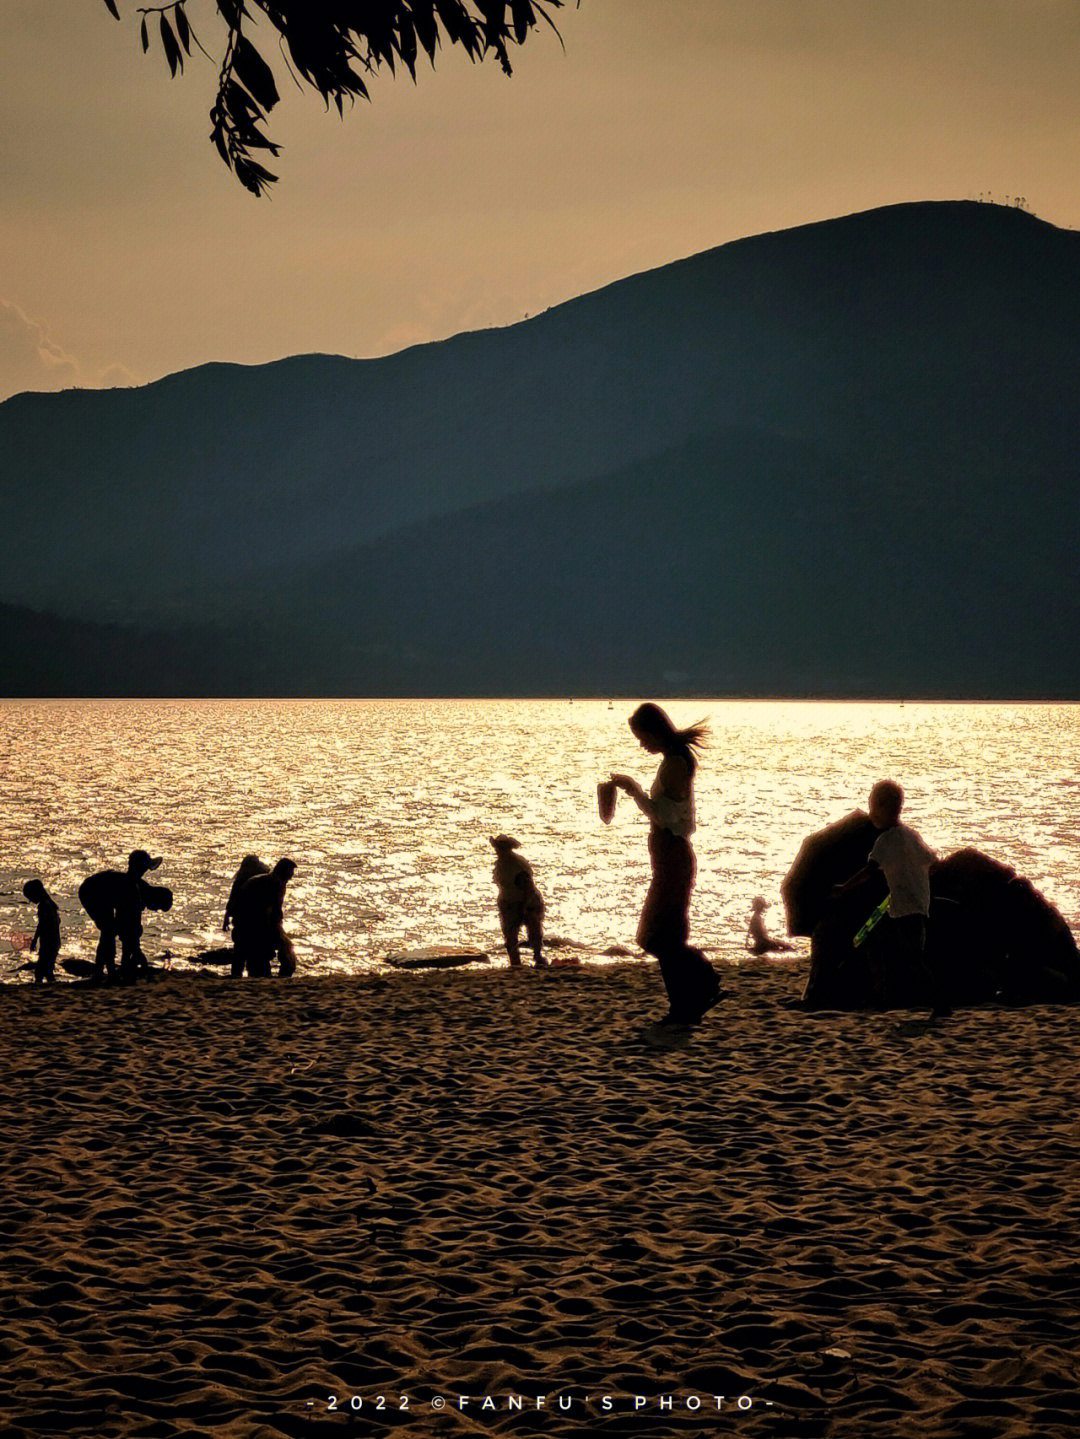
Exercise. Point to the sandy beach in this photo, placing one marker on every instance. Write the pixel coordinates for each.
(252, 1209)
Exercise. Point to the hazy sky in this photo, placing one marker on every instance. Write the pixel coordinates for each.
(666, 127)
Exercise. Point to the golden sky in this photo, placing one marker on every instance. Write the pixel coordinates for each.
(665, 128)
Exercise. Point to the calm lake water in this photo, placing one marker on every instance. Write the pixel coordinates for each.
(387, 807)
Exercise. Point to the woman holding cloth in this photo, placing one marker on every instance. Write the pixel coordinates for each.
(664, 929)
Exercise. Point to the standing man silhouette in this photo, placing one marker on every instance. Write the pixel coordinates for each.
(905, 859)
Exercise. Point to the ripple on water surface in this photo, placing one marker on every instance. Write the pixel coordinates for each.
(387, 807)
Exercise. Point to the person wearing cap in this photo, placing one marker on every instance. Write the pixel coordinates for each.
(115, 900)
(46, 938)
(520, 902)
(758, 939)
(257, 912)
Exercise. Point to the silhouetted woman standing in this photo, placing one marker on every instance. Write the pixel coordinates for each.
(664, 929)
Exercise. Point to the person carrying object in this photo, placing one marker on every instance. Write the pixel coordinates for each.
(664, 928)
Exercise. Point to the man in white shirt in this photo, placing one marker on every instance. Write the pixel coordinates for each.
(905, 860)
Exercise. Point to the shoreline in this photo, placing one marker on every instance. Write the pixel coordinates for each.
(226, 1203)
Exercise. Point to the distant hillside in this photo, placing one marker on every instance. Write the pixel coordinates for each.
(48, 656)
(838, 459)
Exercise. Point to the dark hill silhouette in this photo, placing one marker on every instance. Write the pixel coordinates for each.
(844, 455)
(45, 655)
(752, 593)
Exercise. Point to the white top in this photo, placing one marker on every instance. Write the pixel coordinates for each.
(906, 861)
(676, 815)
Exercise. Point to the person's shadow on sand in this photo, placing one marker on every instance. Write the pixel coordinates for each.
(655, 1035)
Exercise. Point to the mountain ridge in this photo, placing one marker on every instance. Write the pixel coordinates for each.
(920, 359)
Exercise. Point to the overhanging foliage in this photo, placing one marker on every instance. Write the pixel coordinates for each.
(331, 45)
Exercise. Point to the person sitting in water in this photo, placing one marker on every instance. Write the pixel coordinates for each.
(758, 939)
(520, 902)
(46, 938)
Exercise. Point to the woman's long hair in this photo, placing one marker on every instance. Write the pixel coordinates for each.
(650, 719)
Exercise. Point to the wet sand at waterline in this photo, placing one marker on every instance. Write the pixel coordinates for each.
(224, 1203)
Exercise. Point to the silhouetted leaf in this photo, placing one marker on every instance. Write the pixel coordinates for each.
(459, 29)
(182, 30)
(252, 175)
(172, 49)
(253, 72)
(332, 45)
(427, 32)
(407, 46)
(240, 105)
(494, 12)
(253, 139)
(521, 17)
(219, 133)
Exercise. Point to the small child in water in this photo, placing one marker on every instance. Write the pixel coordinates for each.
(758, 940)
(46, 938)
(519, 900)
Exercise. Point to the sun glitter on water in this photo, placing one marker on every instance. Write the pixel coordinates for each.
(387, 807)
